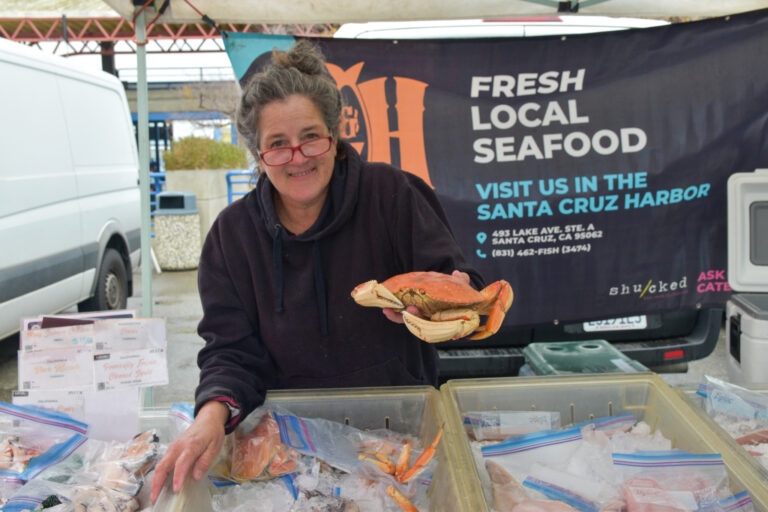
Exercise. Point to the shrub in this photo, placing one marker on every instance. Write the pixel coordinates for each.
(201, 153)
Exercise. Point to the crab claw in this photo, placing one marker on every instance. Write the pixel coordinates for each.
(460, 323)
(376, 295)
(504, 296)
(403, 502)
(423, 459)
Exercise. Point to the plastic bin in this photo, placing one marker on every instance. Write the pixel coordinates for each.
(696, 402)
(416, 410)
(580, 398)
(746, 337)
(588, 356)
(177, 231)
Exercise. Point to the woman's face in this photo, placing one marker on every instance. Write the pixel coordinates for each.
(302, 181)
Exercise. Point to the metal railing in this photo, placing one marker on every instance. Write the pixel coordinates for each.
(180, 74)
(156, 185)
(240, 177)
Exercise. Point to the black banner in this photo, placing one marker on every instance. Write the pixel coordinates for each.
(589, 171)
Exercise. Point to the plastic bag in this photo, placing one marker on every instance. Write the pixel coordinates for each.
(257, 452)
(123, 466)
(517, 455)
(740, 502)
(180, 417)
(391, 459)
(499, 425)
(676, 479)
(741, 412)
(31, 440)
(34, 494)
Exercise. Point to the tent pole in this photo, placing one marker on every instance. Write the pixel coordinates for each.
(142, 111)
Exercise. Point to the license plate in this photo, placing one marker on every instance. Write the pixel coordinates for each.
(627, 323)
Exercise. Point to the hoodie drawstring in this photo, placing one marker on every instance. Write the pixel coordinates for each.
(320, 287)
(277, 261)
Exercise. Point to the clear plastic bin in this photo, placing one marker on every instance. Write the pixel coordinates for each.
(415, 410)
(696, 402)
(583, 397)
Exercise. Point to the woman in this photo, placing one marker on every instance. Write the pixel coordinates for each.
(277, 267)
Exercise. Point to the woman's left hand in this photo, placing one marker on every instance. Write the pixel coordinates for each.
(461, 275)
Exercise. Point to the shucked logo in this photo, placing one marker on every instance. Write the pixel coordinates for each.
(366, 122)
(651, 289)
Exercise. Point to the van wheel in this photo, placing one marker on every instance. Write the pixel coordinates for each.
(111, 287)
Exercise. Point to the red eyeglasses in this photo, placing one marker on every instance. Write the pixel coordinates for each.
(283, 155)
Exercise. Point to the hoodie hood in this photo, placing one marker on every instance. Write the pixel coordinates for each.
(338, 208)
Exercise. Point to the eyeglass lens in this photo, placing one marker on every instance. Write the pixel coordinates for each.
(314, 147)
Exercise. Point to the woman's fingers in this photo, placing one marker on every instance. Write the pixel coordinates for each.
(461, 275)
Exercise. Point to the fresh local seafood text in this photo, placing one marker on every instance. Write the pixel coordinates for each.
(488, 116)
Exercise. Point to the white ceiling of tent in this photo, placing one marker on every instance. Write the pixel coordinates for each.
(344, 11)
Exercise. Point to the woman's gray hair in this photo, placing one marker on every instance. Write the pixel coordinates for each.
(300, 70)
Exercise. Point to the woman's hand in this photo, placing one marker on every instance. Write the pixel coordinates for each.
(194, 450)
(397, 317)
(461, 275)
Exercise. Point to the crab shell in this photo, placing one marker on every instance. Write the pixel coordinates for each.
(448, 307)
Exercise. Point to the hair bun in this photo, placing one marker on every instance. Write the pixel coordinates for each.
(304, 56)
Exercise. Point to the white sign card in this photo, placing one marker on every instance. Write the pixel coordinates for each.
(129, 334)
(56, 337)
(62, 368)
(70, 402)
(112, 415)
(130, 368)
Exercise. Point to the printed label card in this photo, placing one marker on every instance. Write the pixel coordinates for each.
(65, 368)
(130, 368)
(129, 334)
(56, 338)
(70, 402)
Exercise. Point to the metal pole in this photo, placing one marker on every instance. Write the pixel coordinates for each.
(142, 114)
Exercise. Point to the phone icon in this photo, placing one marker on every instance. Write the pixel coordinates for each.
(480, 254)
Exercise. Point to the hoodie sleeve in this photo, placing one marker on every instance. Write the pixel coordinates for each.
(423, 235)
(234, 365)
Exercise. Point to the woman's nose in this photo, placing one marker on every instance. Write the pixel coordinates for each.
(298, 157)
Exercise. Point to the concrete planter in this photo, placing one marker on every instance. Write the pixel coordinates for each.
(209, 187)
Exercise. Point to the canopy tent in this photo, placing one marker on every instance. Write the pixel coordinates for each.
(344, 11)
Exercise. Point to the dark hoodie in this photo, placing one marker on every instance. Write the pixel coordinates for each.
(277, 311)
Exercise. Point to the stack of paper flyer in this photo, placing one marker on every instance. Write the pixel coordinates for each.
(91, 365)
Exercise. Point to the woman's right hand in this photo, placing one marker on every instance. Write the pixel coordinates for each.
(397, 316)
(194, 450)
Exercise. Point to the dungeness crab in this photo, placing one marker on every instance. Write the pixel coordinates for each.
(450, 307)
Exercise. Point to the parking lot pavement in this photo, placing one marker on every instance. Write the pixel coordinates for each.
(175, 298)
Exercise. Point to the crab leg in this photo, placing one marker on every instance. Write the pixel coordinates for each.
(403, 502)
(376, 295)
(381, 461)
(403, 460)
(460, 324)
(498, 308)
(422, 460)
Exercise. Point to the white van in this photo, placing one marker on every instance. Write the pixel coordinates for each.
(70, 214)
(508, 27)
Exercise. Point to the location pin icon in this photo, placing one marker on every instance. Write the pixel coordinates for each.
(481, 237)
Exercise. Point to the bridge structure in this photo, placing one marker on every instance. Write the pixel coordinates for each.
(71, 28)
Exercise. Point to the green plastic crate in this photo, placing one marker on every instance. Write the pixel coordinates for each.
(587, 356)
